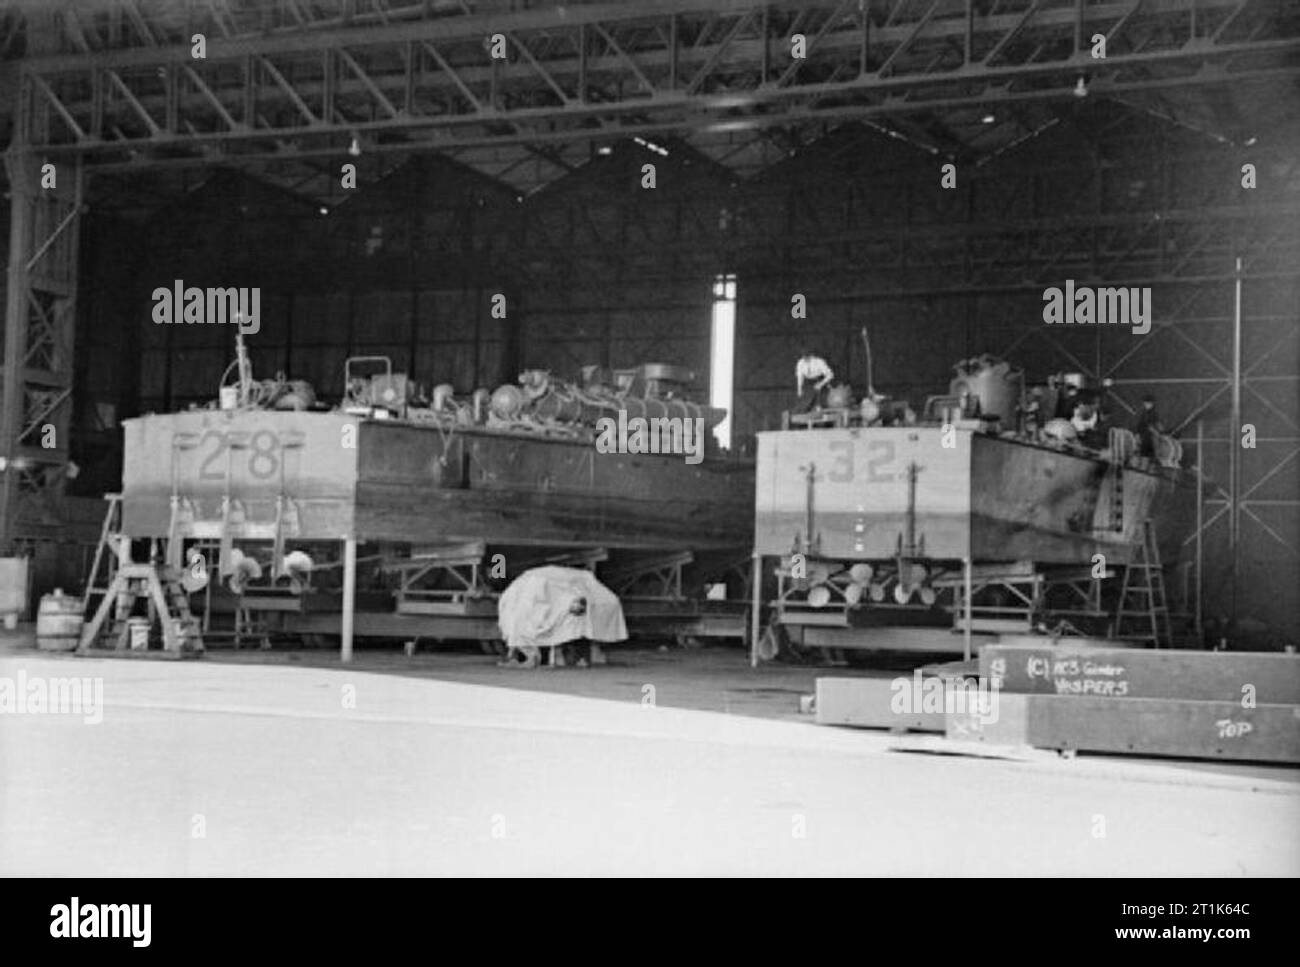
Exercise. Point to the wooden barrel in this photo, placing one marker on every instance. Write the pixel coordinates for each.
(58, 622)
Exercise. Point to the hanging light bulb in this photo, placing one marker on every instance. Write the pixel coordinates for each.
(1081, 88)
(354, 148)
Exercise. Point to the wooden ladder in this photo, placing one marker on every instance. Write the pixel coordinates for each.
(1142, 597)
(105, 553)
(167, 602)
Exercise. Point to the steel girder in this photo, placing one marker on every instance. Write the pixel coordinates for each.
(297, 78)
(1186, 245)
(917, 240)
(40, 311)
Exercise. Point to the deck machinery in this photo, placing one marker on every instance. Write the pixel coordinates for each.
(421, 507)
(979, 515)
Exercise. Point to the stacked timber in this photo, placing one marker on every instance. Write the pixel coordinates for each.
(1188, 704)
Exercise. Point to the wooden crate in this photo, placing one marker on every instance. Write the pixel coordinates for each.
(869, 703)
(1138, 726)
(1084, 671)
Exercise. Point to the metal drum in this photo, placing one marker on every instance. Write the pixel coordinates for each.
(296, 395)
(839, 397)
(992, 382)
(13, 589)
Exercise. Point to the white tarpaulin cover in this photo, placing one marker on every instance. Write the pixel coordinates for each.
(536, 610)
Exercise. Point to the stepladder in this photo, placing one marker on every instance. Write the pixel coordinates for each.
(114, 625)
(108, 552)
(1143, 612)
(112, 629)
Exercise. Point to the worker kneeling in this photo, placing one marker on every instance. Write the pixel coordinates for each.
(548, 607)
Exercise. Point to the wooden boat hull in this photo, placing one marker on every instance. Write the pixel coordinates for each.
(322, 476)
(849, 494)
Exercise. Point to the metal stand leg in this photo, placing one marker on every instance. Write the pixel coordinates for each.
(967, 594)
(755, 608)
(349, 595)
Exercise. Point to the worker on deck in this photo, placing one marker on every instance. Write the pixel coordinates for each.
(1066, 400)
(1147, 427)
(1033, 413)
(814, 371)
(1084, 418)
(1090, 422)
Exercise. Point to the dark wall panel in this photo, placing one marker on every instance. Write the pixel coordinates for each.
(598, 270)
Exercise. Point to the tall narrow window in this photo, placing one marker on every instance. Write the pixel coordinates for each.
(722, 354)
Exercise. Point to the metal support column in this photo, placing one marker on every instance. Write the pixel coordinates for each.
(755, 608)
(349, 596)
(1234, 450)
(967, 594)
(39, 329)
(1198, 617)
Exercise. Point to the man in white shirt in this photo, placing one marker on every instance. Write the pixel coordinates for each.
(814, 371)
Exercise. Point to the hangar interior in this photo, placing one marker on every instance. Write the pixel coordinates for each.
(970, 544)
(1127, 143)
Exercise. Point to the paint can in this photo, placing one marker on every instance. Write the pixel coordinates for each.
(139, 632)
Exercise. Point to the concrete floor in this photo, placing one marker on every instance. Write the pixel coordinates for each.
(287, 764)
